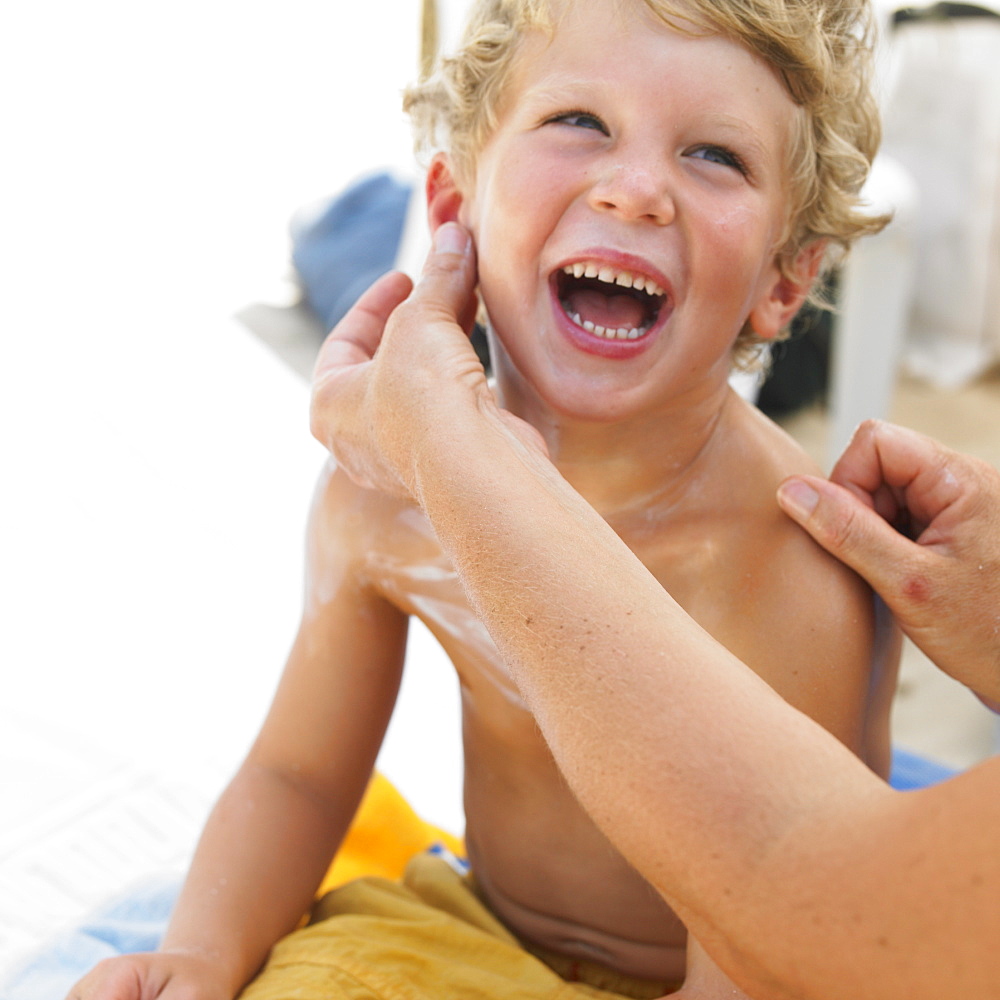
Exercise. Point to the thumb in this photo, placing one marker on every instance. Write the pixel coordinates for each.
(448, 279)
(848, 529)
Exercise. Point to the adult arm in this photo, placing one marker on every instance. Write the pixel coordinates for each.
(798, 870)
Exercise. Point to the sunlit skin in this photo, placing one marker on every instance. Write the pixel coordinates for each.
(668, 163)
(676, 174)
(628, 144)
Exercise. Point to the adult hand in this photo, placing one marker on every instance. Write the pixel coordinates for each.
(153, 976)
(921, 524)
(399, 369)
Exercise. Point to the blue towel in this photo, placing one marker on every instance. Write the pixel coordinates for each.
(134, 922)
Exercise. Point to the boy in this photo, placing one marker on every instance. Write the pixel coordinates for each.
(644, 191)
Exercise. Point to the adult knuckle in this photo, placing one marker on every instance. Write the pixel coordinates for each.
(941, 465)
(319, 417)
(108, 968)
(842, 530)
(446, 263)
(413, 311)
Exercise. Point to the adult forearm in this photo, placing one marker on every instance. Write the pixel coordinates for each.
(264, 850)
(694, 768)
(586, 627)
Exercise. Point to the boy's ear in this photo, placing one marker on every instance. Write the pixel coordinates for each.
(777, 307)
(444, 199)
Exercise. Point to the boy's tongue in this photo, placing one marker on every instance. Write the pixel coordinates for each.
(610, 311)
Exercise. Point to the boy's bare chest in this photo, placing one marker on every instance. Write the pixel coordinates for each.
(409, 570)
(520, 815)
(407, 566)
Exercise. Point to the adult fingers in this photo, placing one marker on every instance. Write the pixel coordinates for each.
(851, 530)
(112, 979)
(943, 587)
(391, 355)
(356, 337)
(444, 290)
(338, 382)
(910, 479)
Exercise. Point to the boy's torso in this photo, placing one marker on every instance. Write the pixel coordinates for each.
(539, 861)
(542, 865)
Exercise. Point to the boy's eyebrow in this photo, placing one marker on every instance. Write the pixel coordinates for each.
(568, 92)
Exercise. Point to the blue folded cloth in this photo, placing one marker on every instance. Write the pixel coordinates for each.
(352, 240)
(910, 771)
(133, 922)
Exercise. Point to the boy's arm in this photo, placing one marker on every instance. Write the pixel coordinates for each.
(814, 631)
(274, 830)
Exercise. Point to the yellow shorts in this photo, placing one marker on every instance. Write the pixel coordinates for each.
(428, 937)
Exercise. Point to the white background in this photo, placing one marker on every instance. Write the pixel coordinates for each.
(156, 459)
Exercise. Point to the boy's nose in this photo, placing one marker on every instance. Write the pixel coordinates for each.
(635, 190)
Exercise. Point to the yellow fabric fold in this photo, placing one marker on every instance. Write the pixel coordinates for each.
(385, 835)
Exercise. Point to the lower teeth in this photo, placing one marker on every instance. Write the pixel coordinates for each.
(608, 333)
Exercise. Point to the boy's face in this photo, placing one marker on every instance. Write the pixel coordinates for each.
(641, 153)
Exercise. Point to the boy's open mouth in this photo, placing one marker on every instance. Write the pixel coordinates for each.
(608, 302)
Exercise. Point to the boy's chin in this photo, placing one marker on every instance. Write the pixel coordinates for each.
(560, 397)
(562, 382)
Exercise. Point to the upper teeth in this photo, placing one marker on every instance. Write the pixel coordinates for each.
(612, 276)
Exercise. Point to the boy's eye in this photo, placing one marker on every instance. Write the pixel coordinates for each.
(580, 119)
(721, 155)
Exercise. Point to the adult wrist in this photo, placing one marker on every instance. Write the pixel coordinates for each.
(454, 433)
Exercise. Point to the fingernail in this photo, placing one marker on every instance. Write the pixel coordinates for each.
(798, 497)
(450, 238)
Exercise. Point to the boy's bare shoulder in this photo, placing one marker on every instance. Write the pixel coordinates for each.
(351, 524)
(804, 621)
(783, 566)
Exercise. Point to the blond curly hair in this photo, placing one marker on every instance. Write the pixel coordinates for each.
(821, 49)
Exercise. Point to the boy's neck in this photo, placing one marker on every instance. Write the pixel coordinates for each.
(642, 465)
